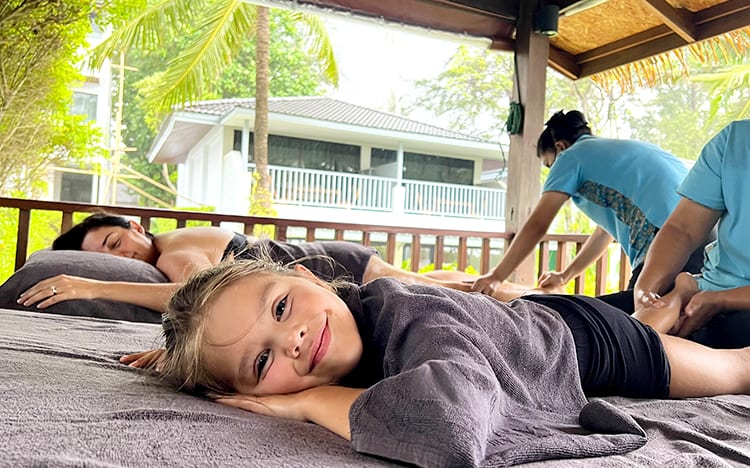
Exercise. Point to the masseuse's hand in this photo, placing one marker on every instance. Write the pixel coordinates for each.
(552, 279)
(487, 284)
(58, 289)
(645, 298)
(701, 308)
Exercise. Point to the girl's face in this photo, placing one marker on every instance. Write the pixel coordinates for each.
(120, 241)
(270, 334)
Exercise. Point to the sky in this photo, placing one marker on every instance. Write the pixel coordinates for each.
(378, 62)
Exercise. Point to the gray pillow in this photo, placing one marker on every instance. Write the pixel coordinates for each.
(47, 263)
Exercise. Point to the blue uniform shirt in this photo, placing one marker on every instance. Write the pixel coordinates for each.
(627, 187)
(720, 180)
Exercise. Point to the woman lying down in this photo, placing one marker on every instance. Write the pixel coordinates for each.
(427, 375)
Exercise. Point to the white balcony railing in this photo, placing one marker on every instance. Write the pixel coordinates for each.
(434, 198)
(308, 187)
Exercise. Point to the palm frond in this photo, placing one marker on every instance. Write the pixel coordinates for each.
(147, 29)
(225, 24)
(672, 65)
(725, 81)
(320, 46)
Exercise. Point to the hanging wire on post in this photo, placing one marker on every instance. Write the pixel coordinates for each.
(514, 124)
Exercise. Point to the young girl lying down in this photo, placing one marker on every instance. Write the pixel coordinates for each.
(427, 375)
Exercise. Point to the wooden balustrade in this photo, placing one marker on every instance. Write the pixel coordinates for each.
(565, 242)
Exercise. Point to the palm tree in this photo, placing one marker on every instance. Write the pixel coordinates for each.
(220, 28)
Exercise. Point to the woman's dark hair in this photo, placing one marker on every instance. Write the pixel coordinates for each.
(545, 143)
(73, 238)
(567, 126)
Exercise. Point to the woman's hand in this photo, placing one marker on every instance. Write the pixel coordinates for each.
(701, 308)
(552, 279)
(151, 359)
(60, 288)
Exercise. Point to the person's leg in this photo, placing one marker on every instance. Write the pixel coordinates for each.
(697, 370)
(379, 268)
(662, 319)
(450, 275)
(617, 355)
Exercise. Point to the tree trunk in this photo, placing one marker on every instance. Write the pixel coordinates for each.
(262, 202)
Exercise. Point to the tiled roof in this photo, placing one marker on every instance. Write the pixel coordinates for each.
(331, 110)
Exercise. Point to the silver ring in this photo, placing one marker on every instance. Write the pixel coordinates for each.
(54, 289)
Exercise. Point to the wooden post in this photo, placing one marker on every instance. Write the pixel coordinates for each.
(532, 51)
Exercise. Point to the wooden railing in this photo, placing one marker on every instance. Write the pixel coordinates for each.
(565, 243)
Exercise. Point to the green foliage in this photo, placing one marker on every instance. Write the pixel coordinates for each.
(214, 33)
(473, 92)
(44, 228)
(729, 89)
(39, 45)
(294, 73)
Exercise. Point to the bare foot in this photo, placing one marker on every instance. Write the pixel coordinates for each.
(662, 319)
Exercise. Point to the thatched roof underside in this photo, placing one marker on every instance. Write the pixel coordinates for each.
(669, 66)
(632, 42)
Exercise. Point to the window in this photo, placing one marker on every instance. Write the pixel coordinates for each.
(75, 187)
(84, 104)
(427, 167)
(309, 154)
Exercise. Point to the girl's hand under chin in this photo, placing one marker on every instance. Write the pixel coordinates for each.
(288, 406)
(327, 406)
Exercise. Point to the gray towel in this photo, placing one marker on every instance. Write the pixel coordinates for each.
(470, 381)
(66, 401)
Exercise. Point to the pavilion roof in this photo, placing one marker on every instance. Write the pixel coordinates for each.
(620, 39)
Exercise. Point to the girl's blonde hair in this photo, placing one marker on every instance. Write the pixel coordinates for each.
(185, 321)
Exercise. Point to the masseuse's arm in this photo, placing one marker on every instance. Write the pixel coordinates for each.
(684, 231)
(153, 296)
(327, 406)
(705, 304)
(597, 243)
(524, 242)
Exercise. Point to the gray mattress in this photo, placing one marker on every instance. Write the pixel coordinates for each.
(66, 401)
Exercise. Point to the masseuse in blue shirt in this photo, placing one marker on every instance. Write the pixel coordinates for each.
(627, 187)
(716, 189)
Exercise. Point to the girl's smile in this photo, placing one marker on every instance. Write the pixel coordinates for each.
(273, 334)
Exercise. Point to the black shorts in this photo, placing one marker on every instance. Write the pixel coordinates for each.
(617, 355)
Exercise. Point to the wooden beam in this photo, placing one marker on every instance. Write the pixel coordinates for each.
(726, 10)
(494, 19)
(722, 25)
(505, 10)
(679, 20)
(660, 44)
(532, 53)
(714, 21)
(564, 63)
(617, 47)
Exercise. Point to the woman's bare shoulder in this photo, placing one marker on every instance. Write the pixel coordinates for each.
(193, 238)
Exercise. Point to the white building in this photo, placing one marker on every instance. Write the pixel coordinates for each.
(334, 161)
